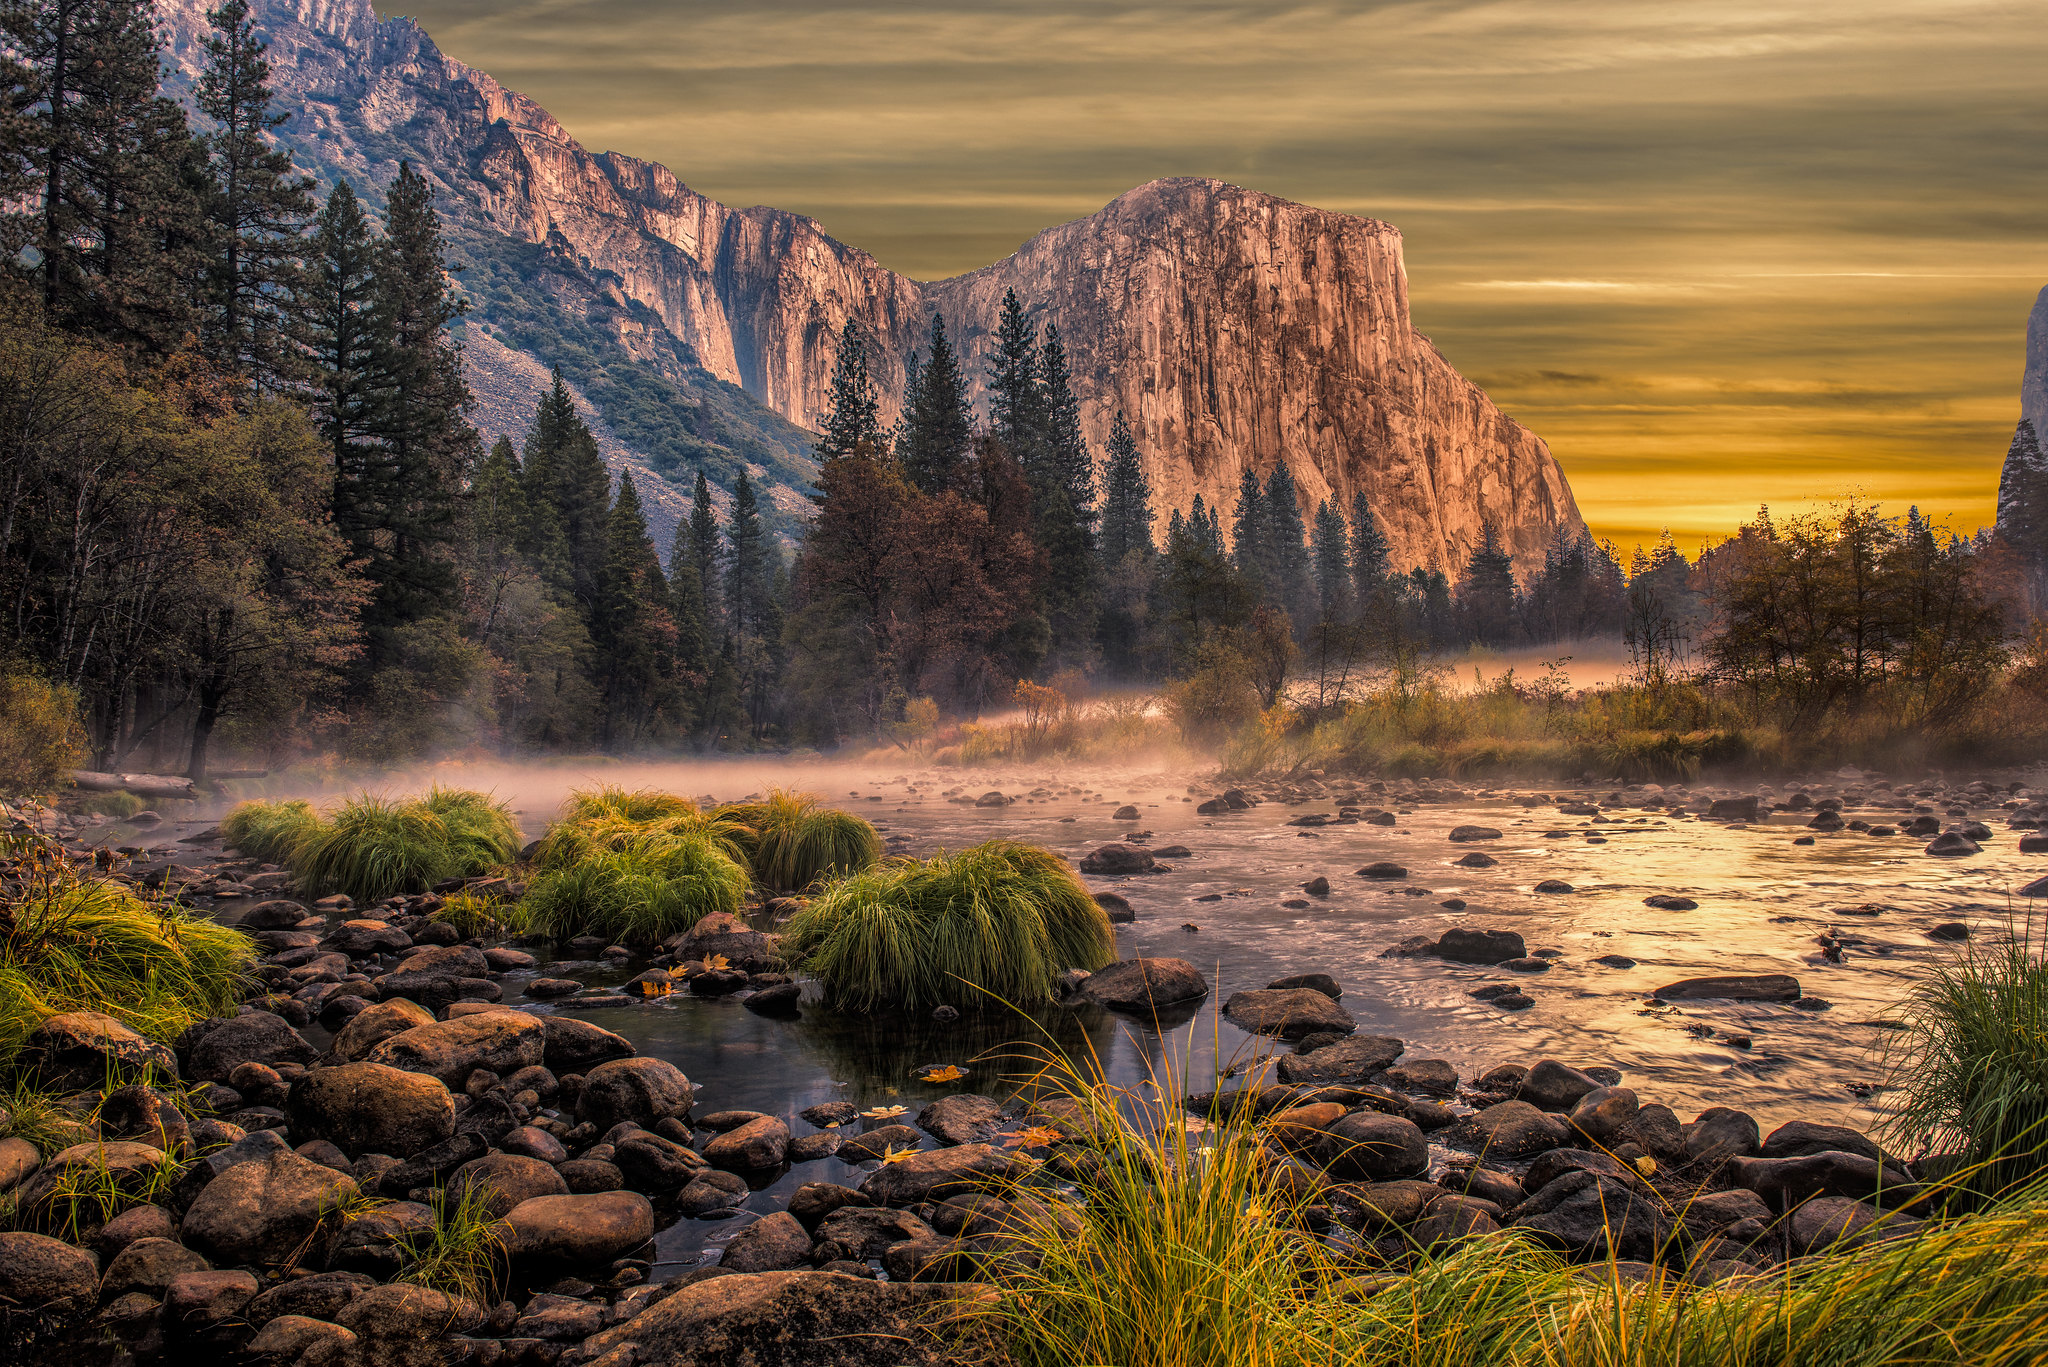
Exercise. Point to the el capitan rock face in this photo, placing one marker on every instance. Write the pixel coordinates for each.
(1231, 327)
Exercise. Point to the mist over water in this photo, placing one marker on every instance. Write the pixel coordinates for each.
(1762, 903)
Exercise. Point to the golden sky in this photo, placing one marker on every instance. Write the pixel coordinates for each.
(1714, 253)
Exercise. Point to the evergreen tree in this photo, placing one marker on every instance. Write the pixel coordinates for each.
(258, 205)
(1126, 499)
(1072, 466)
(1289, 583)
(630, 626)
(1486, 592)
(1331, 553)
(571, 494)
(2023, 498)
(340, 293)
(686, 610)
(1015, 412)
(1248, 531)
(1371, 562)
(704, 554)
(854, 421)
(115, 172)
(938, 430)
(747, 571)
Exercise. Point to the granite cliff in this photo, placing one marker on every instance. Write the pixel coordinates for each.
(1231, 327)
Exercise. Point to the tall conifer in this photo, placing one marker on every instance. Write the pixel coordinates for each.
(938, 430)
(854, 421)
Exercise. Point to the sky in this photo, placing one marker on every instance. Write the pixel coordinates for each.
(1716, 254)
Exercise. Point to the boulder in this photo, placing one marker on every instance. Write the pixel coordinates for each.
(1117, 858)
(872, 1144)
(1952, 845)
(933, 1174)
(652, 1162)
(1734, 809)
(802, 1319)
(1786, 1182)
(77, 1050)
(361, 939)
(576, 1046)
(1118, 909)
(261, 1212)
(277, 914)
(423, 974)
(961, 1119)
(136, 1222)
(1424, 1075)
(44, 1274)
(1462, 835)
(407, 1326)
(1601, 1114)
(1719, 1134)
(584, 1231)
(588, 1176)
(1351, 1060)
(772, 1243)
(644, 1091)
(1738, 987)
(1288, 1013)
(320, 1296)
(759, 1143)
(1320, 982)
(1551, 1086)
(1480, 946)
(1586, 1217)
(258, 1037)
(303, 1341)
(1383, 869)
(506, 1180)
(375, 1240)
(53, 1195)
(500, 1041)
(146, 1115)
(199, 1305)
(371, 1108)
(711, 1194)
(374, 1024)
(1837, 1224)
(1143, 986)
(857, 1233)
(1508, 1130)
(722, 934)
(1798, 1138)
(1365, 1145)
(19, 1160)
(149, 1265)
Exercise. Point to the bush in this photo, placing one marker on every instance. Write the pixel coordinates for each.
(797, 841)
(1003, 918)
(71, 943)
(40, 734)
(639, 891)
(269, 831)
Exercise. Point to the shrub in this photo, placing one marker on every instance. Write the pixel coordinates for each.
(1971, 1064)
(40, 734)
(797, 841)
(640, 891)
(70, 943)
(1000, 917)
(269, 831)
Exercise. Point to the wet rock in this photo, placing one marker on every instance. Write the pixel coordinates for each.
(361, 939)
(1119, 859)
(136, 1222)
(1353, 1060)
(1143, 986)
(1601, 1114)
(1124, 813)
(371, 1108)
(962, 1119)
(1798, 1138)
(1372, 1147)
(146, 1115)
(429, 1166)
(44, 1274)
(640, 1090)
(1555, 885)
(1667, 901)
(587, 1176)
(1952, 931)
(830, 1113)
(149, 1265)
(1424, 1075)
(1508, 1130)
(199, 1306)
(1116, 908)
(1837, 1224)
(506, 1180)
(259, 1213)
(1318, 886)
(300, 1339)
(1530, 965)
(588, 1230)
(273, 915)
(1462, 835)
(535, 1143)
(1476, 860)
(1760, 987)
(375, 1241)
(723, 935)
(864, 1148)
(1735, 809)
(500, 1041)
(857, 1234)
(1587, 1217)
(545, 988)
(1719, 1134)
(1288, 1013)
(760, 1143)
(1480, 946)
(772, 1243)
(1616, 961)
(75, 1050)
(937, 1173)
(801, 1319)
(1383, 869)
(1319, 982)
(320, 1296)
(782, 999)
(1551, 1086)
(712, 1193)
(406, 1326)
(1785, 1182)
(651, 1162)
(576, 1046)
(375, 1024)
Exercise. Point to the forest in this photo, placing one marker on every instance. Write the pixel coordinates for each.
(244, 511)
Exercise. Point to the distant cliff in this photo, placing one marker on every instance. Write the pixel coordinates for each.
(2023, 483)
(1230, 326)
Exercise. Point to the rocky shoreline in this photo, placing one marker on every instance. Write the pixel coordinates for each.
(278, 1168)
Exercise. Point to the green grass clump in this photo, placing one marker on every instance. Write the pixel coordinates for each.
(612, 803)
(798, 840)
(611, 818)
(1003, 918)
(641, 891)
(475, 916)
(1972, 1063)
(465, 1254)
(373, 847)
(270, 831)
(75, 943)
(119, 806)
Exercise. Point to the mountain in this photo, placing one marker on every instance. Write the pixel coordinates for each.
(2023, 483)
(1230, 326)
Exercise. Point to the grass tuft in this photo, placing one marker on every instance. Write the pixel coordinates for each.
(1003, 918)
(798, 841)
(465, 1254)
(638, 889)
(270, 831)
(475, 916)
(372, 847)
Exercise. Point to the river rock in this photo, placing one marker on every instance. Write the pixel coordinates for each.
(407, 1326)
(362, 939)
(1424, 1075)
(710, 1194)
(18, 1161)
(375, 1024)
(1602, 1113)
(576, 1046)
(303, 1341)
(1551, 1086)
(1837, 1224)
(1383, 869)
(1371, 1147)
(772, 1243)
(1508, 1130)
(1798, 1138)
(1143, 986)
(872, 1144)
(258, 1037)
(500, 1041)
(653, 1162)
(642, 1090)
(722, 934)
(199, 1305)
(1585, 1216)
(1719, 1133)
(933, 1174)
(506, 1179)
(1351, 1060)
(1952, 845)
(964, 1118)
(78, 1050)
(801, 1319)
(588, 1176)
(1758, 987)
(1320, 982)
(760, 1143)
(1786, 1182)
(371, 1108)
(1288, 1013)
(1735, 809)
(44, 1274)
(1117, 859)
(149, 1265)
(1480, 946)
(259, 1213)
(374, 1241)
(1463, 835)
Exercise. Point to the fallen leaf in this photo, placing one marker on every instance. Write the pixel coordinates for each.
(1036, 1137)
(949, 1073)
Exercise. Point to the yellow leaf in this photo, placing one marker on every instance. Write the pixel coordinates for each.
(896, 1155)
(884, 1112)
(1036, 1137)
(946, 1074)
(1647, 1166)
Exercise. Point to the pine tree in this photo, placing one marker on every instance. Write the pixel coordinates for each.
(1331, 552)
(116, 173)
(340, 286)
(258, 206)
(1015, 412)
(1371, 561)
(571, 495)
(1248, 532)
(704, 554)
(938, 430)
(1126, 499)
(1486, 594)
(693, 635)
(629, 624)
(1072, 465)
(747, 569)
(2023, 498)
(1289, 584)
(854, 422)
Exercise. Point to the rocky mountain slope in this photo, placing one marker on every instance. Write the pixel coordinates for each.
(1230, 326)
(2023, 483)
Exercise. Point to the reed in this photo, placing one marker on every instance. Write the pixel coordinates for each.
(482, 833)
